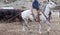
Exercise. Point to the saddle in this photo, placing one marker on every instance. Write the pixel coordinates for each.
(37, 19)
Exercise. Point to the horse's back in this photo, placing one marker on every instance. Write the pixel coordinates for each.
(26, 12)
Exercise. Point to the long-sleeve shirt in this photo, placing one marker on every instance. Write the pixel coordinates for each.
(35, 4)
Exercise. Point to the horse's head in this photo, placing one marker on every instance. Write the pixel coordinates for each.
(51, 4)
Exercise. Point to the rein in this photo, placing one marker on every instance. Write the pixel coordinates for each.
(45, 16)
(43, 12)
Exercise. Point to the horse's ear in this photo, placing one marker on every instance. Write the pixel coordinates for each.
(49, 0)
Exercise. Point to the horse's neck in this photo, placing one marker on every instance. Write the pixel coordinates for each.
(47, 10)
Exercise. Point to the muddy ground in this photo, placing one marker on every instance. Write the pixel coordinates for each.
(15, 28)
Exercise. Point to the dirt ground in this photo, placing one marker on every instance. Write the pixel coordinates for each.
(15, 28)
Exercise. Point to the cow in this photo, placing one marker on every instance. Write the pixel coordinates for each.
(6, 14)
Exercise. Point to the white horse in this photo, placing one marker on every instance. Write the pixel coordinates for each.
(27, 14)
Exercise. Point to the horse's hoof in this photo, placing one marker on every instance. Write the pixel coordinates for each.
(40, 32)
(24, 30)
(47, 32)
(48, 29)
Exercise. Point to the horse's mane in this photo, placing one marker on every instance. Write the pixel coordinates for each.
(43, 9)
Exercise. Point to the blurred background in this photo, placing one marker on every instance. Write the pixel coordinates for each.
(23, 4)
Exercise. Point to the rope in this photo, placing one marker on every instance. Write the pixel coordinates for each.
(13, 17)
(32, 14)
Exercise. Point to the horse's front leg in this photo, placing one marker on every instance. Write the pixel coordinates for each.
(40, 28)
(49, 28)
(39, 25)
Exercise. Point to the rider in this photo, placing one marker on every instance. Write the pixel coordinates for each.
(35, 6)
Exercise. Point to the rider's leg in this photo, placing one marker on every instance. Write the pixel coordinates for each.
(38, 14)
(35, 14)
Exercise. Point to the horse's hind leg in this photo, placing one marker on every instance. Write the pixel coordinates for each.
(25, 25)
